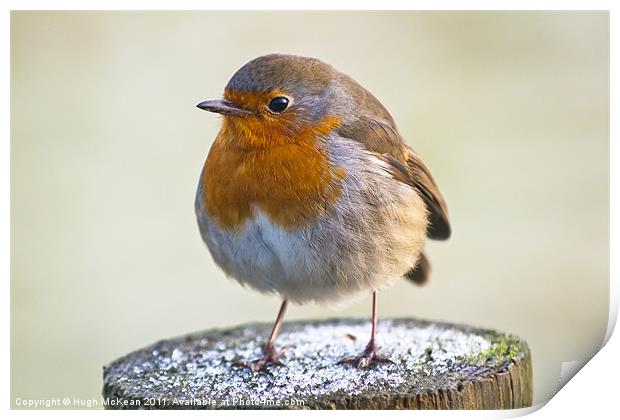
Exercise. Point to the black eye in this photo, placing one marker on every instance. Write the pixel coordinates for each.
(278, 104)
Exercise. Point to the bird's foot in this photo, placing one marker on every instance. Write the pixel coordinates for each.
(270, 357)
(368, 358)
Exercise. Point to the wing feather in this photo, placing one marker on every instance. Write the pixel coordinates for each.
(381, 137)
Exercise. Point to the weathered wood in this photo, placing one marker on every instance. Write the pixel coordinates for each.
(436, 366)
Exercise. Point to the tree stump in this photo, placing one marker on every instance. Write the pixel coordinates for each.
(435, 366)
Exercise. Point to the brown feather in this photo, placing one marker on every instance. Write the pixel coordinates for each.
(438, 210)
(421, 272)
(379, 136)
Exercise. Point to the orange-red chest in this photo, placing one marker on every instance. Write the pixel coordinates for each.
(292, 183)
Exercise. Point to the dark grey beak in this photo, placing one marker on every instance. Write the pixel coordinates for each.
(222, 106)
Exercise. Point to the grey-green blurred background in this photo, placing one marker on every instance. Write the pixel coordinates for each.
(509, 110)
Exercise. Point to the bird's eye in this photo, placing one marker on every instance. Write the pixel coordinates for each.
(278, 104)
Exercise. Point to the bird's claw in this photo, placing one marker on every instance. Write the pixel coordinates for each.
(368, 358)
(270, 357)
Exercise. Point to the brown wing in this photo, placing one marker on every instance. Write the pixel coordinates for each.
(380, 136)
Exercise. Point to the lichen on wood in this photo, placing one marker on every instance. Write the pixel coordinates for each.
(436, 366)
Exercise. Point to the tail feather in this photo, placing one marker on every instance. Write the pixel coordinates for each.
(421, 272)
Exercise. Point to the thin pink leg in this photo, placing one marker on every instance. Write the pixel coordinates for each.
(276, 327)
(270, 355)
(369, 356)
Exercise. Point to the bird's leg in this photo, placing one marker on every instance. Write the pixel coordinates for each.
(369, 356)
(270, 354)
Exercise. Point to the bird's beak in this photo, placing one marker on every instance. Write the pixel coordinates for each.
(222, 106)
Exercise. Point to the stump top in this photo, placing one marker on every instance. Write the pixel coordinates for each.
(196, 371)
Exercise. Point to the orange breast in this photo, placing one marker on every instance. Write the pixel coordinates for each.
(290, 180)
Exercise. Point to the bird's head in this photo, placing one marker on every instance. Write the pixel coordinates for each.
(278, 99)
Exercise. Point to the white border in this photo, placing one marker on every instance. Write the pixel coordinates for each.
(590, 394)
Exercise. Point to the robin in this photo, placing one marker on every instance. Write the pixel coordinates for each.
(310, 192)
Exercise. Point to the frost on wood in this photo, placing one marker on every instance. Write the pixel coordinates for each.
(435, 365)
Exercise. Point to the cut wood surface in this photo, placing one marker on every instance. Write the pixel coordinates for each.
(435, 366)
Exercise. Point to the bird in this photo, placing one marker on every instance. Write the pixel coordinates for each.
(309, 192)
